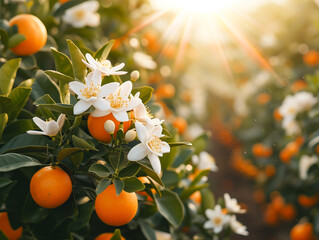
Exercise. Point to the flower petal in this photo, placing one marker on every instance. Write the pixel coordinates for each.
(90, 59)
(99, 113)
(109, 88)
(52, 128)
(80, 107)
(157, 131)
(40, 123)
(101, 104)
(118, 67)
(208, 225)
(155, 162)
(142, 132)
(61, 120)
(125, 89)
(209, 213)
(165, 148)
(76, 87)
(31, 132)
(137, 153)
(96, 77)
(120, 116)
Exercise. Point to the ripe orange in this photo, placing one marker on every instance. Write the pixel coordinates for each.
(34, 31)
(270, 216)
(277, 116)
(308, 201)
(289, 151)
(263, 98)
(196, 197)
(260, 150)
(106, 236)
(50, 187)
(5, 227)
(165, 90)
(116, 210)
(96, 127)
(288, 212)
(278, 203)
(311, 58)
(180, 124)
(270, 170)
(298, 86)
(302, 231)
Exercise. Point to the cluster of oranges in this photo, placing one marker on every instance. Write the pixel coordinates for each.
(291, 150)
(261, 151)
(242, 165)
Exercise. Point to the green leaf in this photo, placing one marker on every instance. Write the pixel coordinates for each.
(32, 212)
(77, 158)
(59, 76)
(99, 170)
(145, 93)
(3, 122)
(200, 143)
(189, 191)
(170, 178)
(183, 156)
(63, 7)
(44, 85)
(133, 184)
(18, 127)
(30, 149)
(104, 51)
(177, 144)
(170, 207)
(119, 185)
(116, 235)
(12, 161)
(81, 143)
(147, 168)
(19, 97)
(67, 152)
(198, 176)
(168, 158)
(79, 68)
(5, 104)
(15, 40)
(7, 75)
(130, 171)
(85, 212)
(59, 107)
(4, 182)
(62, 63)
(4, 193)
(147, 230)
(27, 83)
(45, 99)
(102, 185)
(208, 200)
(4, 36)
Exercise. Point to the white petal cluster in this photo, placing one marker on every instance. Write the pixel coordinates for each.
(205, 161)
(216, 219)
(237, 227)
(49, 128)
(305, 163)
(83, 14)
(151, 146)
(232, 205)
(292, 106)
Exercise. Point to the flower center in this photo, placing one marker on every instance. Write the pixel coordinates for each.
(116, 101)
(79, 14)
(91, 91)
(105, 63)
(217, 221)
(155, 144)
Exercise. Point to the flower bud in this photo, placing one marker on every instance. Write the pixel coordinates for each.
(109, 126)
(135, 75)
(130, 135)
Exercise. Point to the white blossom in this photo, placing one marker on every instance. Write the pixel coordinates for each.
(216, 219)
(142, 115)
(144, 60)
(120, 101)
(151, 146)
(83, 14)
(232, 205)
(49, 128)
(205, 161)
(104, 66)
(237, 227)
(92, 93)
(305, 163)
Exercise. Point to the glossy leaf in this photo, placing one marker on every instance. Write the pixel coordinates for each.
(103, 185)
(99, 170)
(119, 186)
(147, 230)
(32, 212)
(19, 97)
(18, 127)
(85, 212)
(3, 122)
(170, 178)
(79, 68)
(133, 184)
(67, 152)
(12, 161)
(145, 93)
(59, 76)
(15, 40)
(7, 75)
(147, 168)
(82, 144)
(104, 51)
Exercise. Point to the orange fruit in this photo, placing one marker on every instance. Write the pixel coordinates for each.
(270, 216)
(5, 227)
(263, 98)
(277, 116)
(63, 1)
(165, 90)
(106, 236)
(196, 197)
(180, 124)
(308, 201)
(289, 151)
(96, 127)
(50, 187)
(34, 31)
(311, 58)
(288, 212)
(278, 203)
(270, 170)
(302, 231)
(116, 210)
(298, 86)
(317, 149)
(260, 150)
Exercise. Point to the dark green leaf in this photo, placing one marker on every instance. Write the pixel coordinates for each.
(145, 93)
(133, 184)
(5, 104)
(79, 68)
(170, 207)
(3, 122)
(18, 127)
(67, 152)
(182, 157)
(145, 165)
(32, 212)
(147, 230)
(81, 143)
(170, 178)
(208, 200)
(7, 75)
(4, 182)
(15, 40)
(104, 51)
(85, 212)
(200, 143)
(30, 149)
(45, 99)
(12, 161)
(59, 76)
(119, 185)
(102, 185)
(189, 191)
(59, 107)
(130, 171)
(62, 63)
(99, 170)
(19, 97)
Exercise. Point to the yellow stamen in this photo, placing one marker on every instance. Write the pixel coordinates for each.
(79, 14)
(116, 101)
(217, 221)
(91, 91)
(155, 144)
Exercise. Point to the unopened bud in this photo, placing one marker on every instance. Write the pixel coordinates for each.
(135, 75)
(109, 126)
(130, 135)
